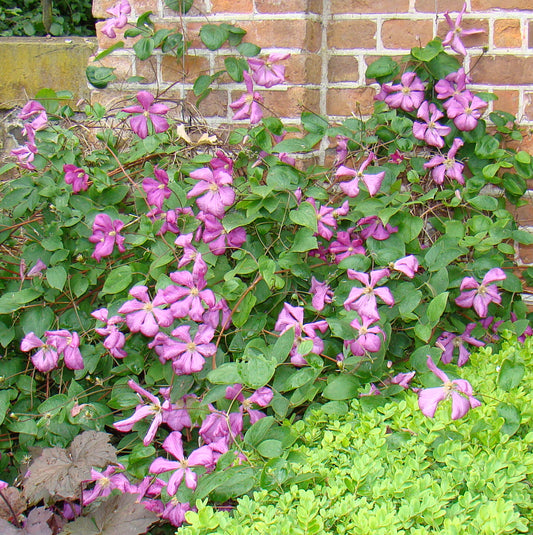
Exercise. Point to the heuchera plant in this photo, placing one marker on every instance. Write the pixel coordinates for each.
(200, 294)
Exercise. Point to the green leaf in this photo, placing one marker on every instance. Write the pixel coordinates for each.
(235, 68)
(267, 268)
(442, 65)
(305, 216)
(270, 449)
(523, 157)
(213, 36)
(314, 124)
(11, 301)
(432, 50)
(248, 49)
(37, 320)
(423, 331)
(484, 202)
(511, 417)
(5, 402)
(257, 433)
(117, 280)
(342, 387)
(201, 84)
(144, 47)
(257, 372)
(99, 77)
(486, 146)
(281, 349)
(240, 316)
(304, 241)
(291, 145)
(56, 277)
(107, 51)
(225, 374)
(511, 374)
(437, 307)
(283, 177)
(181, 6)
(384, 66)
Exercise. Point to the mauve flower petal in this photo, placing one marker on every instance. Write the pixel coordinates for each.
(460, 405)
(429, 399)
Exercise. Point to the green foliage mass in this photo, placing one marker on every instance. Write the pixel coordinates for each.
(25, 18)
(384, 469)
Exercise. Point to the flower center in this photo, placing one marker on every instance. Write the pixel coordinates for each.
(406, 90)
(213, 187)
(113, 233)
(362, 331)
(148, 307)
(104, 482)
(482, 290)
(449, 163)
(194, 292)
(191, 346)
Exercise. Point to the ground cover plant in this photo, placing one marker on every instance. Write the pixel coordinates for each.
(172, 301)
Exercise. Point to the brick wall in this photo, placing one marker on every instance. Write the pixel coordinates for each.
(331, 43)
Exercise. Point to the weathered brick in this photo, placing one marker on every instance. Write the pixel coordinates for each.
(523, 214)
(288, 6)
(290, 102)
(123, 66)
(402, 33)
(100, 8)
(303, 68)
(106, 42)
(343, 69)
(528, 105)
(525, 254)
(477, 39)
(142, 6)
(232, 6)
(344, 102)
(185, 69)
(303, 34)
(352, 34)
(214, 105)
(530, 35)
(199, 8)
(438, 6)
(147, 69)
(507, 101)
(369, 6)
(507, 33)
(503, 70)
(483, 5)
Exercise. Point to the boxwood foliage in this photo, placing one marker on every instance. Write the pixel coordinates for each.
(383, 468)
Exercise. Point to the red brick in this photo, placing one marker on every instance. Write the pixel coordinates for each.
(215, 105)
(507, 101)
(438, 6)
(345, 102)
(352, 34)
(142, 6)
(524, 214)
(185, 69)
(232, 6)
(369, 6)
(303, 68)
(528, 109)
(478, 39)
(290, 102)
(343, 69)
(105, 42)
(525, 253)
(507, 33)
(530, 34)
(123, 66)
(147, 69)
(402, 33)
(503, 70)
(284, 33)
(288, 6)
(483, 5)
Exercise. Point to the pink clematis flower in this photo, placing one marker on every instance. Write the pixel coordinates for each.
(147, 110)
(262, 397)
(106, 236)
(459, 390)
(407, 95)
(143, 315)
(481, 295)
(347, 244)
(156, 188)
(77, 177)
(363, 300)
(215, 192)
(30, 109)
(115, 340)
(442, 167)
(25, 156)
(368, 339)
(46, 358)
(372, 181)
(173, 444)
(465, 110)
(120, 10)
(35, 271)
(452, 85)
(106, 481)
(407, 265)
(373, 228)
(68, 344)
(448, 342)
(430, 130)
(265, 72)
(322, 294)
(247, 107)
(154, 407)
(453, 37)
(402, 379)
(216, 236)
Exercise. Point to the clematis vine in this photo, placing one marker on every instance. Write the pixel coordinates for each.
(363, 300)
(449, 342)
(407, 95)
(442, 167)
(215, 192)
(372, 181)
(459, 390)
(430, 130)
(373, 228)
(106, 236)
(368, 337)
(247, 107)
(457, 32)
(481, 295)
(465, 110)
(157, 189)
(147, 113)
(76, 177)
(266, 72)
